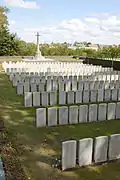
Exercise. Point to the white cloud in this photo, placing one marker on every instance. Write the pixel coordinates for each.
(22, 3)
(103, 29)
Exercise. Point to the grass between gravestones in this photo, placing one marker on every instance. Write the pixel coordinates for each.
(35, 149)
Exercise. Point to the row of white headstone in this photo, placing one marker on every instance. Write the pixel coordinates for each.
(65, 115)
(54, 86)
(90, 151)
(64, 98)
(56, 67)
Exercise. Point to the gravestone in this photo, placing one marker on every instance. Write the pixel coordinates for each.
(26, 87)
(28, 99)
(86, 85)
(44, 98)
(61, 86)
(85, 96)
(63, 115)
(85, 151)
(41, 117)
(102, 111)
(114, 93)
(52, 116)
(73, 114)
(92, 112)
(91, 84)
(78, 97)
(74, 85)
(101, 85)
(53, 98)
(83, 113)
(67, 86)
(36, 98)
(118, 110)
(20, 89)
(80, 85)
(107, 96)
(97, 83)
(100, 149)
(114, 147)
(117, 85)
(68, 154)
(111, 111)
(112, 85)
(62, 97)
(49, 85)
(93, 95)
(41, 87)
(70, 97)
(106, 85)
(33, 87)
(54, 85)
(100, 95)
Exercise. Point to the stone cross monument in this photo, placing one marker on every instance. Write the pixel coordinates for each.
(38, 52)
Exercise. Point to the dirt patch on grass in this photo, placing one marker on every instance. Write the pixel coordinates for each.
(10, 154)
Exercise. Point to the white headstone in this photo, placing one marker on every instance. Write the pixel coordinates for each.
(78, 97)
(36, 98)
(86, 96)
(44, 98)
(20, 89)
(68, 154)
(41, 87)
(118, 110)
(33, 87)
(102, 112)
(100, 149)
(85, 151)
(114, 94)
(41, 117)
(83, 113)
(92, 112)
(70, 97)
(107, 95)
(28, 99)
(26, 87)
(93, 95)
(63, 115)
(114, 147)
(52, 116)
(73, 114)
(62, 97)
(111, 111)
(53, 98)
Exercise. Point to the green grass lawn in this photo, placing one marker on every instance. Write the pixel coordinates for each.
(38, 147)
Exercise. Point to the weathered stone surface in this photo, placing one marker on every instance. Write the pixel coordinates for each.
(70, 97)
(114, 93)
(41, 117)
(52, 116)
(67, 86)
(111, 111)
(85, 96)
(80, 85)
(49, 85)
(53, 98)
(44, 98)
(68, 154)
(62, 97)
(33, 87)
(73, 114)
(26, 87)
(118, 110)
(86, 85)
(92, 112)
(107, 95)
(100, 149)
(74, 85)
(102, 112)
(36, 98)
(114, 147)
(28, 99)
(85, 151)
(78, 97)
(93, 95)
(20, 89)
(100, 95)
(41, 87)
(63, 115)
(83, 113)
(61, 86)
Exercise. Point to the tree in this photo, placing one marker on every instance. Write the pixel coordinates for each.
(8, 43)
(3, 16)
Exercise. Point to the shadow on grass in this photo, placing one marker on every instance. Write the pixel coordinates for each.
(39, 147)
